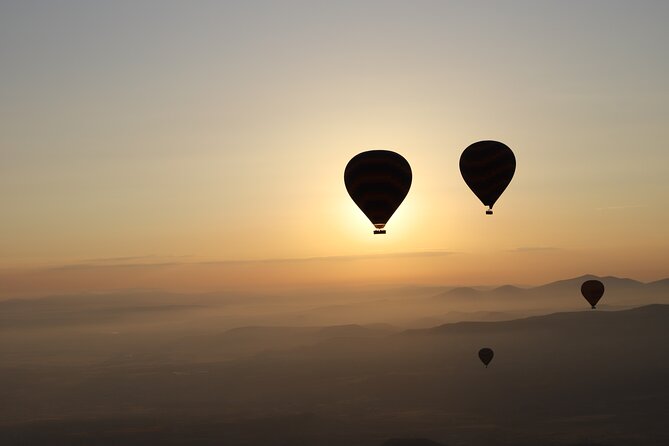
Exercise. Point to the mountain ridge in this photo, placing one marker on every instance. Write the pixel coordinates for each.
(644, 310)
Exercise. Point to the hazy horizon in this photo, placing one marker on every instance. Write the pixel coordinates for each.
(187, 275)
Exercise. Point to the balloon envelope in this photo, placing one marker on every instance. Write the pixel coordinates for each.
(378, 181)
(487, 167)
(485, 355)
(592, 290)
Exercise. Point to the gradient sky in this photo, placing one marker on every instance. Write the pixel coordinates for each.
(141, 135)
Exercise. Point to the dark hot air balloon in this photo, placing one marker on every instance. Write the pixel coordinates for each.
(592, 290)
(485, 355)
(378, 181)
(487, 167)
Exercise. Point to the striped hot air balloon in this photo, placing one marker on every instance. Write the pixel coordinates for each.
(378, 181)
(487, 167)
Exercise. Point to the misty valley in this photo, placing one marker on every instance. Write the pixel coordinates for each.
(361, 366)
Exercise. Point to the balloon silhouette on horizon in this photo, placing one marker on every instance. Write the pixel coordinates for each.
(487, 167)
(378, 181)
(485, 355)
(592, 290)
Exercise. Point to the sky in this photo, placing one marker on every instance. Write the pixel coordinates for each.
(201, 145)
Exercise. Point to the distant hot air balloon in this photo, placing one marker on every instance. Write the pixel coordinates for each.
(487, 167)
(485, 355)
(378, 181)
(592, 290)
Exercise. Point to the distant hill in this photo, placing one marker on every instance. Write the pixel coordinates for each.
(641, 317)
(559, 295)
(407, 306)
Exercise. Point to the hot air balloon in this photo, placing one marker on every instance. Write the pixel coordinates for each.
(485, 355)
(378, 181)
(592, 290)
(487, 167)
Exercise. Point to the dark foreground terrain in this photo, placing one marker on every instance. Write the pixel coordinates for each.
(576, 378)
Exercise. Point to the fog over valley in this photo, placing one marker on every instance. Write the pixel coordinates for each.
(357, 367)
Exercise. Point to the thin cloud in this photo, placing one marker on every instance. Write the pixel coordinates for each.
(622, 207)
(392, 255)
(141, 261)
(146, 261)
(534, 249)
(115, 260)
(75, 266)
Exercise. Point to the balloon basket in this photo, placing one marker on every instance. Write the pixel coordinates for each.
(488, 212)
(379, 231)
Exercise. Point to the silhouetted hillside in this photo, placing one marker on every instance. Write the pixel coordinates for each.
(641, 318)
(557, 296)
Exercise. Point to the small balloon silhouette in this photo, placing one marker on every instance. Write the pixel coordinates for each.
(592, 290)
(485, 355)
